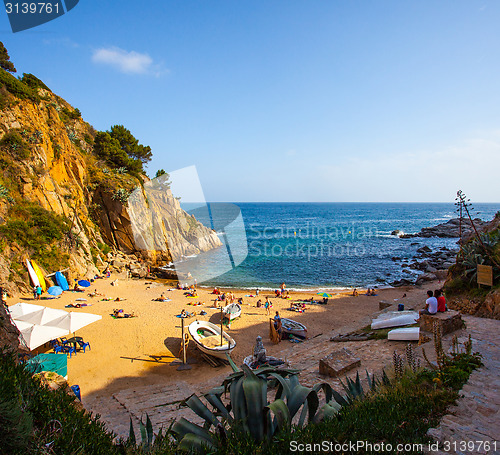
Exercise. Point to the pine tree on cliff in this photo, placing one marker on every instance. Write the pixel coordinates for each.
(5, 62)
(130, 145)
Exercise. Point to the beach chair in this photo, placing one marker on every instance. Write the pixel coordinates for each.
(56, 346)
(83, 345)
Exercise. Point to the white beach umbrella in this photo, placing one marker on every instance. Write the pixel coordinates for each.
(74, 321)
(35, 335)
(43, 316)
(22, 309)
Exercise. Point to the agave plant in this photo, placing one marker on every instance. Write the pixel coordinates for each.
(354, 389)
(249, 409)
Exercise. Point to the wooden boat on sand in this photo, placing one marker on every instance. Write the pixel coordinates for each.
(293, 328)
(207, 337)
(231, 311)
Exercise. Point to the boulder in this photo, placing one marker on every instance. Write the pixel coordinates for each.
(425, 278)
(448, 322)
(338, 363)
(424, 249)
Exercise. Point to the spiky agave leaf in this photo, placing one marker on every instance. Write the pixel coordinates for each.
(199, 408)
(131, 434)
(281, 417)
(149, 430)
(193, 443)
(184, 427)
(255, 396)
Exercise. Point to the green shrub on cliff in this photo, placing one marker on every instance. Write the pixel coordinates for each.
(38, 230)
(14, 143)
(17, 87)
(33, 82)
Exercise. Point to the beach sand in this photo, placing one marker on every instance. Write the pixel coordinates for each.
(140, 351)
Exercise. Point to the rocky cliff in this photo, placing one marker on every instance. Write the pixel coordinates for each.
(63, 205)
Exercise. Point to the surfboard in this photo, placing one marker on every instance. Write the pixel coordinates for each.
(32, 274)
(61, 281)
(40, 276)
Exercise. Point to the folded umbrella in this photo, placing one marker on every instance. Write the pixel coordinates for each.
(55, 290)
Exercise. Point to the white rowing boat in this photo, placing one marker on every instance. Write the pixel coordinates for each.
(232, 311)
(405, 334)
(394, 319)
(207, 337)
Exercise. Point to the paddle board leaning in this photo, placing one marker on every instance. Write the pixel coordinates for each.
(31, 271)
(40, 276)
(61, 281)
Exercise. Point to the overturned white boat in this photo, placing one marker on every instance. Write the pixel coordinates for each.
(231, 311)
(395, 319)
(207, 337)
(405, 334)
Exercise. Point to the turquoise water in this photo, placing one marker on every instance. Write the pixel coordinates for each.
(325, 245)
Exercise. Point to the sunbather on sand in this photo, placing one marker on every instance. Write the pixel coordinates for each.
(94, 294)
(162, 298)
(120, 314)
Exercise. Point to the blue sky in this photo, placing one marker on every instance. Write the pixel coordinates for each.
(336, 100)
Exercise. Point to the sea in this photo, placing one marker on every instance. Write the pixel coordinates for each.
(318, 246)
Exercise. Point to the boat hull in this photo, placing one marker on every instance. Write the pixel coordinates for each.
(405, 334)
(294, 328)
(232, 311)
(203, 331)
(395, 319)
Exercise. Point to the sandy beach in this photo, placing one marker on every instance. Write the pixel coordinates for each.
(143, 350)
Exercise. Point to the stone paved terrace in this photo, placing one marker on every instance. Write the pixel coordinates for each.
(476, 416)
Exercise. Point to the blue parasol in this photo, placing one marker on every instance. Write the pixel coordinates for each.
(84, 283)
(55, 290)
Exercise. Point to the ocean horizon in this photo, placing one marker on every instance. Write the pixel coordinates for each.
(326, 245)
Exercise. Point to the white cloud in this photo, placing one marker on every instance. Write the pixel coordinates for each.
(126, 62)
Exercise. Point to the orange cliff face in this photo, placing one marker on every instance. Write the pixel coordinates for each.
(58, 171)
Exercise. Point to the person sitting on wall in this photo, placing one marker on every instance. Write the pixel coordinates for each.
(441, 306)
(431, 304)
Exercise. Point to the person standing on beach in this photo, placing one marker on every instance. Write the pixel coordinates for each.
(278, 324)
(268, 306)
(38, 292)
(34, 293)
(282, 287)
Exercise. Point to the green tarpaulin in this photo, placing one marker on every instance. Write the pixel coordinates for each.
(58, 363)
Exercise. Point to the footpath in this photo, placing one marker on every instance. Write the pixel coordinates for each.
(471, 427)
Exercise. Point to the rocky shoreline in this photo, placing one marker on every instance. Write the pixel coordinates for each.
(434, 265)
(450, 229)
